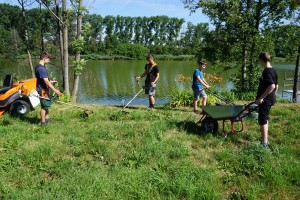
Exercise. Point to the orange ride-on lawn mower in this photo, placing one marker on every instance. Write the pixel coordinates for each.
(18, 98)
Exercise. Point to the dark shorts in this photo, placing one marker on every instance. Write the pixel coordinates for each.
(45, 104)
(199, 93)
(263, 113)
(150, 90)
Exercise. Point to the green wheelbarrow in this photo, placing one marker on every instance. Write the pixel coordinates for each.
(233, 113)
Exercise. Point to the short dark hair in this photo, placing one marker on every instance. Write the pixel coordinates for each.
(202, 63)
(149, 57)
(264, 56)
(45, 55)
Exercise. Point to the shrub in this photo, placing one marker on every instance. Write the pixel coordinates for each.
(180, 97)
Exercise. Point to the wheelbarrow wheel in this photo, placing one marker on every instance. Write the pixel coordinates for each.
(210, 126)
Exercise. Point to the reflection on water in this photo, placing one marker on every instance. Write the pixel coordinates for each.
(113, 82)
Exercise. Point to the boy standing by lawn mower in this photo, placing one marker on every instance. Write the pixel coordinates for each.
(199, 84)
(152, 75)
(43, 85)
(266, 97)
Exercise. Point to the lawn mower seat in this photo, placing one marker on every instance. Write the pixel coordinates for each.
(7, 84)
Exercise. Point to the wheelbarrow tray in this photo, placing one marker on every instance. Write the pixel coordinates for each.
(233, 113)
(223, 112)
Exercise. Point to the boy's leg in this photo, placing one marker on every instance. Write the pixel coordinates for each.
(195, 104)
(151, 94)
(43, 115)
(47, 115)
(204, 100)
(264, 133)
(204, 97)
(263, 116)
(196, 98)
(151, 101)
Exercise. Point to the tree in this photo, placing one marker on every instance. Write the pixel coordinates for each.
(25, 28)
(241, 24)
(78, 47)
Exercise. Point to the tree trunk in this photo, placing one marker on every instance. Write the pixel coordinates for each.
(296, 78)
(21, 2)
(65, 49)
(30, 63)
(42, 29)
(60, 40)
(244, 65)
(77, 56)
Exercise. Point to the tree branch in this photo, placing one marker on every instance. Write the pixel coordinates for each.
(51, 12)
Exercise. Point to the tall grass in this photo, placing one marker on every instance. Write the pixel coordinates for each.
(138, 154)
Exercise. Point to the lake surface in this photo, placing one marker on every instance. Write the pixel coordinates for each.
(113, 83)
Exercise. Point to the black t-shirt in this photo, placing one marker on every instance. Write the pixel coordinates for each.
(40, 73)
(151, 73)
(269, 77)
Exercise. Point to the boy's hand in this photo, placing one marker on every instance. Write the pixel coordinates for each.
(259, 101)
(58, 93)
(137, 78)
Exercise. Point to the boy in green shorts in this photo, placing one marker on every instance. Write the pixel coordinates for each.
(43, 85)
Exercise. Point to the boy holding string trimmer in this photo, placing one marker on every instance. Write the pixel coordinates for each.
(152, 75)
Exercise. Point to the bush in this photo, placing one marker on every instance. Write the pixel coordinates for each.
(181, 98)
(134, 51)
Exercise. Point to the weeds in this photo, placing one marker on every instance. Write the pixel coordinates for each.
(146, 155)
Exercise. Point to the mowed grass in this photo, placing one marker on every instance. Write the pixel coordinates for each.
(139, 154)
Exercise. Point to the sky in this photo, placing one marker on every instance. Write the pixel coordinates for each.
(135, 8)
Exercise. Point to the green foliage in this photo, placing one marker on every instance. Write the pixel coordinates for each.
(179, 97)
(77, 44)
(228, 95)
(244, 95)
(211, 100)
(78, 66)
(65, 98)
(173, 57)
(134, 51)
(239, 34)
(146, 155)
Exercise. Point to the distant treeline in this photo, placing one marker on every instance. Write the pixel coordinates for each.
(131, 37)
(122, 37)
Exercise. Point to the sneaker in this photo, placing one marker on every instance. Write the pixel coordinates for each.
(43, 123)
(265, 145)
(151, 108)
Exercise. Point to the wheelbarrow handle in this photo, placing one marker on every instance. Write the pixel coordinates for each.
(249, 107)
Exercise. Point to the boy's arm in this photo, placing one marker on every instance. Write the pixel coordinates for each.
(269, 89)
(141, 76)
(203, 82)
(49, 84)
(156, 79)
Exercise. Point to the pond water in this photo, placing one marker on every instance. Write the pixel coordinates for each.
(113, 83)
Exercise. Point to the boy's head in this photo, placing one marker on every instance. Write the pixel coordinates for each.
(150, 58)
(264, 57)
(46, 57)
(202, 65)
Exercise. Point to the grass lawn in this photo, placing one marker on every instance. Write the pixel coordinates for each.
(139, 154)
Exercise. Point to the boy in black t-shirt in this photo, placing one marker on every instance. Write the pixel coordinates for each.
(43, 85)
(266, 97)
(152, 75)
